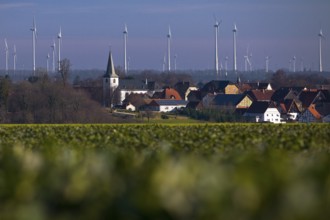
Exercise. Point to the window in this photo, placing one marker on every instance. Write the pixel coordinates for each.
(114, 81)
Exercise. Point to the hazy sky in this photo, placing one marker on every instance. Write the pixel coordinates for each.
(280, 29)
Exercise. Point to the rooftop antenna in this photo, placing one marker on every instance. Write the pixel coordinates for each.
(216, 31)
(125, 32)
(34, 37)
(6, 51)
(234, 41)
(321, 36)
(53, 46)
(169, 36)
(15, 57)
(59, 37)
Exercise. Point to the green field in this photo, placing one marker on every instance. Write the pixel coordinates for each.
(196, 171)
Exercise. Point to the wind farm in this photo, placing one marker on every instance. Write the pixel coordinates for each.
(146, 52)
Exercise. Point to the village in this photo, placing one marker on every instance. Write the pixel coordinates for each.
(252, 102)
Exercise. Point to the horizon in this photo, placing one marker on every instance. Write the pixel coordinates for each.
(277, 29)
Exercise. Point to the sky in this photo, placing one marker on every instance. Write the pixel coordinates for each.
(280, 29)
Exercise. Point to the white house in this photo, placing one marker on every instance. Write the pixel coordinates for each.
(261, 111)
(166, 105)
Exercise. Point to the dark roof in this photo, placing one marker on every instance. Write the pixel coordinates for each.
(110, 68)
(253, 86)
(307, 97)
(227, 99)
(132, 84)
(286, 93)
(215, 86)
(259, 107)
(182, 88)
(261, 95)
(195, 95)
(167, 93)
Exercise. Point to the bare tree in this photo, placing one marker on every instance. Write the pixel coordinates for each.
(65, 70)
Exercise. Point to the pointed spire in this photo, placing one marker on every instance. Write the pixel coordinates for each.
(110, 69)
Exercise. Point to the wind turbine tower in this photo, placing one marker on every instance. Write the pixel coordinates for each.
(267, 64)
(216, 27)
(15, 57)
(294, 63)
(125, 48)
(175, 58)
(34, 37)
(48, 56)
(226, 65)
(321, 36)
(169, 36)
(235, 58)
(6, 51)
(53, 46)
(59, 37)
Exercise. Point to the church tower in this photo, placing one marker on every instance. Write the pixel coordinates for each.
(110, 83)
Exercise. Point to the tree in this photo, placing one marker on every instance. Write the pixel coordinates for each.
(64, 71)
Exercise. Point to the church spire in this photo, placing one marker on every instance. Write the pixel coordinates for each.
(111, 73)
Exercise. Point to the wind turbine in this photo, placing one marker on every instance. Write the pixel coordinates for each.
(267, 64)
(234, 41)
(34, 37)
(6, 51)
(164, 63)
(53, 46)
(15, 57)
(302, 64)
(321, 36)
(294, 63)
(169, 36)
(48, 56)
(125, 48)
(226, 65)
(175, 58)
(216, 26)
(59, 37)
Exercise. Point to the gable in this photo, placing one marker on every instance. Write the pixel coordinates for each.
(246, 102)
(231, 89)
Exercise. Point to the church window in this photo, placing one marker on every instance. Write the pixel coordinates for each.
(114, 81)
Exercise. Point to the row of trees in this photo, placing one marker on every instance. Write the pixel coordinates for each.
(42, 99)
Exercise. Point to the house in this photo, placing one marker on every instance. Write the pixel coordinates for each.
(231, 102)
(255, 86)
(166, 105)
(167, 93)
(263, 111)
(195, 96)
(289, 110)
(316, 113)
(219, 87)
(130, 107)
(184, 88)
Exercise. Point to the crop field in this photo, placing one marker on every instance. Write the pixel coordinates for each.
(201, 171)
